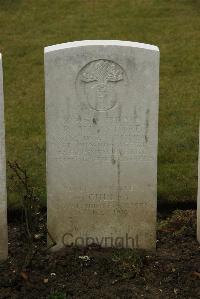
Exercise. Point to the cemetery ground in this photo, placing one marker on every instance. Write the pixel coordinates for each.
(173, 271)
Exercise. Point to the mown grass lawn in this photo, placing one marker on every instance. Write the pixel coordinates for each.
(27, 26)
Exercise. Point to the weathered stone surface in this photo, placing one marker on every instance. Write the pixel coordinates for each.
(102, 131)
(3, 197)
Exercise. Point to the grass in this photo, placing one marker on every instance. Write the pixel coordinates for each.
(57, 295)
(26, 27)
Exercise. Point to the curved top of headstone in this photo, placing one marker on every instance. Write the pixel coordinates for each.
(84, 43)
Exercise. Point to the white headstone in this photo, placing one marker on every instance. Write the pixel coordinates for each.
(198, 196)
(3, 197)
(102, 132)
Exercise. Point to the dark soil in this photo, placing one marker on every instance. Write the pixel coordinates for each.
(173, 271)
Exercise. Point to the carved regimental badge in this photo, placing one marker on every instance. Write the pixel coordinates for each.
(99, 83)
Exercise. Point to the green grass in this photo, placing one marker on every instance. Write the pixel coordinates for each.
(26, 27)
(57, 295)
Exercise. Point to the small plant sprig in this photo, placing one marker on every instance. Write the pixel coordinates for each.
(33, 222)
(30, 202)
